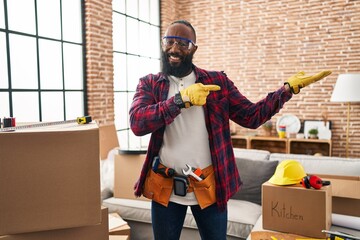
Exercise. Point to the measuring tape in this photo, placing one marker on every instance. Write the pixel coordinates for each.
(79, 120)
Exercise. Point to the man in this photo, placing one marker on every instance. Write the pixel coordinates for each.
(187, 110)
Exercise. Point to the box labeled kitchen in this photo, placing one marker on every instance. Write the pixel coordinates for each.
(296, 210)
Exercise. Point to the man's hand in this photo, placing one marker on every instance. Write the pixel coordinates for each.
(299, 80)
(197, 93)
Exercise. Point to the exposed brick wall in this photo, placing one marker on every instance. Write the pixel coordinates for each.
(99, 60)
(259, 44)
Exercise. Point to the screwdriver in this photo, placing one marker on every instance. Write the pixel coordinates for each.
(164, 171)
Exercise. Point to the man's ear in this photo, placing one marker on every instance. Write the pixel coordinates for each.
(194, 49)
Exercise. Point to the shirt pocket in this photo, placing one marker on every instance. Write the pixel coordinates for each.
(158, 188)
(205, 190)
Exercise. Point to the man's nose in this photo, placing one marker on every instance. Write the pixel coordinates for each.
(175, 44)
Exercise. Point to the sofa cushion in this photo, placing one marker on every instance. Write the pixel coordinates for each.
(252, 154)
(129, 209)
(322, 164)
(139, 210)
(242, 215)
(253, 174)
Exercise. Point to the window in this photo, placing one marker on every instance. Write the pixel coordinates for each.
(136, 40)
(41, 60)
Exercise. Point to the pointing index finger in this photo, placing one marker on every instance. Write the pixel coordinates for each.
(212, 87)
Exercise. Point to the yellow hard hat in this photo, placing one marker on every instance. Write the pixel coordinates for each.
(288, 172)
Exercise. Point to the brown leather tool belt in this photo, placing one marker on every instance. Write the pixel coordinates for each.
(159, 188)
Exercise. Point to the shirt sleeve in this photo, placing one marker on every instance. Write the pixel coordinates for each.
(252, 115)
(150, 110)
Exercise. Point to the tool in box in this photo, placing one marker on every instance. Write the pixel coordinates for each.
(336, 235)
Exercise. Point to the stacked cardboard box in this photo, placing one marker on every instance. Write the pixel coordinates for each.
(50, 183)
(118, 237)
(345, 194)
(259, 233)
(124, 179)
(290, 211)
(296, 210)
(90, 232)
(124, 160)
(109, 142)
(120, 229)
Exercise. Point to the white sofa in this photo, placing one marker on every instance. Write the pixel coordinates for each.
(244, 209)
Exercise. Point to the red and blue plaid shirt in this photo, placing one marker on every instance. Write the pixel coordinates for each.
(151, 111)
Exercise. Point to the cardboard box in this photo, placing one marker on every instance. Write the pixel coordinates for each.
(258, 233)
(296, 210)
(127, 171)
(92, 232)
(346, 206)
(50, 176)
(119, 230)
(346, 194)
(117, 237)
(127, 164)
(270, 235)
(108, 140)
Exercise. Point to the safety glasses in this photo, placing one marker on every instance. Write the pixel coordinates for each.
(183, 43)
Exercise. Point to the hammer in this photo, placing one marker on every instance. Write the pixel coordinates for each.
(189, 172)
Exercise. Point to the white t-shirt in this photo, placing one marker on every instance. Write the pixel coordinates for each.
(186, 139)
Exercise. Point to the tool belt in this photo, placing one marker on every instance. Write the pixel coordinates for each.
(159, 188)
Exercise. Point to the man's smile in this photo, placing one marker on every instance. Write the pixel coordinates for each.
(174, 58)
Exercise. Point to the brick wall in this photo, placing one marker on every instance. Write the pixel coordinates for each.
(99, 60)
(259, 44)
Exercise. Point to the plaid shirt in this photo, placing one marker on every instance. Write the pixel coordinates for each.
(151, 111)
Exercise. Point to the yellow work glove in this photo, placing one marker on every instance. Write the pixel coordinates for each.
(197, 93)
(299, 80)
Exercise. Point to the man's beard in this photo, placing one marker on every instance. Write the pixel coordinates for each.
(181, 70)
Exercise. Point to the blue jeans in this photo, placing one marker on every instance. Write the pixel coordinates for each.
(167, 222)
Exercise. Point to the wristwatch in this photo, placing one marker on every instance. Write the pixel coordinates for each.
(179, 101)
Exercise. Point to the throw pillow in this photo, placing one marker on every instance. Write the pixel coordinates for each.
(253, 174)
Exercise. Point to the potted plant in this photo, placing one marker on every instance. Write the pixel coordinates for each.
(313, 133)
(267, 126)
